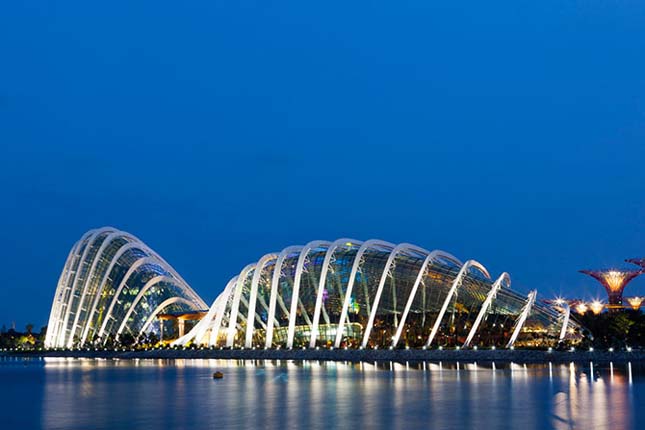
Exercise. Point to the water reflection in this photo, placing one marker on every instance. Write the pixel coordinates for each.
(81, 394)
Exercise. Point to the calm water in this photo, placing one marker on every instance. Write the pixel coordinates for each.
(181, 394)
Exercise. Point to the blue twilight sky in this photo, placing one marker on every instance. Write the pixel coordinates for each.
(217, 131)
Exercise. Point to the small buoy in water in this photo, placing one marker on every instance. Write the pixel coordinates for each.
(218, 375)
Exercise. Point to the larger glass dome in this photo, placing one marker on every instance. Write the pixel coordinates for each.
(374, 294)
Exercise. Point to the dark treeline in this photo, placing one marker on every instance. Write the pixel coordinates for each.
(11, 338)
(615, 329)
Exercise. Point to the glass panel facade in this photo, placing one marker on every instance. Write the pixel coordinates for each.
(107, 287)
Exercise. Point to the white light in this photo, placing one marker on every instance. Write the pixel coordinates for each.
(590, 349)
(475, 347)
(611, 349)
(550, 349)
(629, 349)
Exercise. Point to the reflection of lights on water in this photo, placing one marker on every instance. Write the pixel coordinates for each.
(580, 403)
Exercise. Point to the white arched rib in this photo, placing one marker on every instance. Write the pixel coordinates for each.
(257, 275)
(486, 305)
(245, 302)
(136, 243)
(275, 282)
(565, 320)
(70, 283)
(53, 314)
(99, 254)
(122, 250)
(135, 266)
(219, 313)
(152, 282)
(70, 299)
(241, 280)
(193, 334)
(160, 308)
(322, 282)
(386, 271)
(522, 318)
(54, 317)
(199, 330)
(453, 289)
(63, 306)
(350, 285)
(429, 259)
(295, 296)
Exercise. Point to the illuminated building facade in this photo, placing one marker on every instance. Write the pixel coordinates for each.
(614, 282)
(373, 294)
(111, 284)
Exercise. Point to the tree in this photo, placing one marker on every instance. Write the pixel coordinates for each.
(126, 340)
